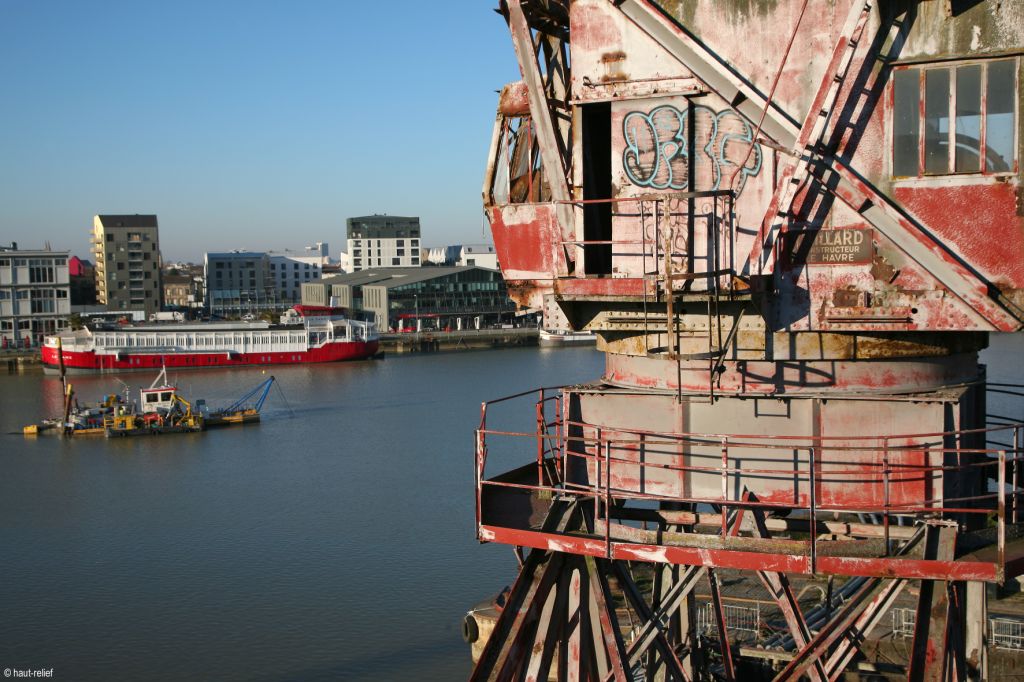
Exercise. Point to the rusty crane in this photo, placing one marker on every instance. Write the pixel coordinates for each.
(793, 226)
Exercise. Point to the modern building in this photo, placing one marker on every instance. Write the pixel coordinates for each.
(289, 271)
(239, 282)
(455, 297)
(127, 251)
(383, 241)
(35, 297)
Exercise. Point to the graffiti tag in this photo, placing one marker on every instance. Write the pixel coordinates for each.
(656, 153)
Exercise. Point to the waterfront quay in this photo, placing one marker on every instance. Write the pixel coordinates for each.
(466, 339)
(20, 360)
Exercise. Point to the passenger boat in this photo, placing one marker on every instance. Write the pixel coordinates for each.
(559, 337)
(323, 335)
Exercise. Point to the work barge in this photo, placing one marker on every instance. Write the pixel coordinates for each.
(792, 226)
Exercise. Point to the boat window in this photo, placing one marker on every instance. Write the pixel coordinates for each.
(152, 397)
(165, 396)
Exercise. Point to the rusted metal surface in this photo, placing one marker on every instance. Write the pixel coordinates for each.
(791, 320)
(514, 100)
(894, 474)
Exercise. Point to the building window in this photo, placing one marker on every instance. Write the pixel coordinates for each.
(39, 273)
(396, 261)
(958, 118)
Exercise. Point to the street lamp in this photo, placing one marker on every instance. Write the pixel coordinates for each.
(416, 302)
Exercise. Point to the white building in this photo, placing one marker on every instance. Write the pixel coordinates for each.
(321, 251)
(480, 255)
(383, 241)
(289, 271)
(34, 295)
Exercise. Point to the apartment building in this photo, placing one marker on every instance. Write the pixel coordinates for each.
(127, 252)
(239, 282)
(383, 241)
(35, 297)
(289, 271)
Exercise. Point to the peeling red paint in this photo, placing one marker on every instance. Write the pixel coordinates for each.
(980, 221)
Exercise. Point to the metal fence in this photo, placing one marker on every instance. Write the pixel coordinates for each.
(1007, 633)
(1004, 633)
(903, 622)
(737, 618)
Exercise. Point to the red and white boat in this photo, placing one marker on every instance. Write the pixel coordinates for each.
(321, 336)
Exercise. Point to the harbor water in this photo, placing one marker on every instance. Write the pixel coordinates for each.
(334, 541)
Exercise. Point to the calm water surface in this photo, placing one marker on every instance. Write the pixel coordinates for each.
(334, 541)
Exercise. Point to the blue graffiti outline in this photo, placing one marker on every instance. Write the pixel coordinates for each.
(719, 160)
(678, 141)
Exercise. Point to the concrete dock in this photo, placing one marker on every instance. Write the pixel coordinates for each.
(467, 339)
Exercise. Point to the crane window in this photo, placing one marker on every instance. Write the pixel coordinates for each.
(950, 119)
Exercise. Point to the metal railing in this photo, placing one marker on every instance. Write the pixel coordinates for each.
(738, 619)
(673, 241)
(903, 622)
(1006, 633)
(895, 478)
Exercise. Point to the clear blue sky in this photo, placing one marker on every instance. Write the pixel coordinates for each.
(256, 124)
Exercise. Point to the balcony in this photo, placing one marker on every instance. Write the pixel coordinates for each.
(844, 506)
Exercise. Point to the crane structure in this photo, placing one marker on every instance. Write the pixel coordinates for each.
(792, 226)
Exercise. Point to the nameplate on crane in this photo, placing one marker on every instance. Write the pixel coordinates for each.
(830, 247)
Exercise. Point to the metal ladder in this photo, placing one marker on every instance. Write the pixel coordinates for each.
(808, 145)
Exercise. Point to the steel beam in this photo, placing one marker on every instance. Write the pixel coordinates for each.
(723, 631)
(811, 132)
(931, 629)
(639, 605)
(976, 631)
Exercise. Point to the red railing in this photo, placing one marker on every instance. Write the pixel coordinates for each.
(902, 480)
(661, 227)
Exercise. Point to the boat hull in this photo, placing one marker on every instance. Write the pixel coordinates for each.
(548, 339)
(90, 361)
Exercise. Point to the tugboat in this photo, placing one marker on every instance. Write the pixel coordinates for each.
(162, 410)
